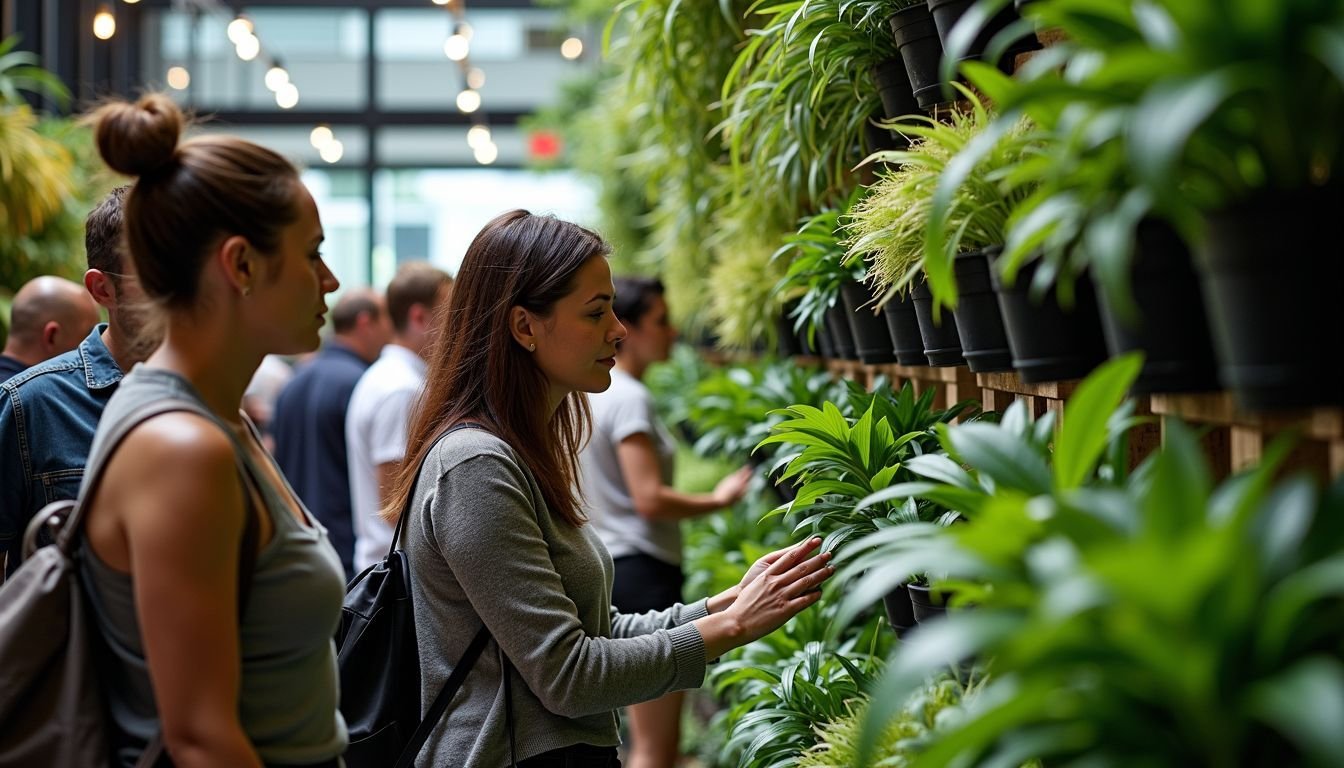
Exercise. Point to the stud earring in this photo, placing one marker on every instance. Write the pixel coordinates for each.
(532, 347)
(247, 290)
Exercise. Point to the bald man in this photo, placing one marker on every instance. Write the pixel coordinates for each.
(309, 419)
(50, 315)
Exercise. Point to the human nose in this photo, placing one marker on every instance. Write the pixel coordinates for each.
(618, 333)
(329, 281)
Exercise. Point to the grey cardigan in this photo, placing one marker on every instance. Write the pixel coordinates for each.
(483, 546)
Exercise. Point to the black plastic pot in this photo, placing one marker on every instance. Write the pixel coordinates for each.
(946, 14)
(1170, 328)
(979, 323)
(791, 342)
(1272, 273)
(825, 342)
(942, 344)
(837, 322)
(893, 87)
(872, 340)
(921, 51)
(925, 603)
(900, 612)
(903, 325)
(1049, 343)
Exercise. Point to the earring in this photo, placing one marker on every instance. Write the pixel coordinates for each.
(247, 290)
(532, 347)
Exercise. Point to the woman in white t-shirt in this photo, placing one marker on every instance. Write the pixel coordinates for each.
(626, 480)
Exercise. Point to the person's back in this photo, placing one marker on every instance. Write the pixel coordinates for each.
(48, 413)
(380, 406)
(309, 421)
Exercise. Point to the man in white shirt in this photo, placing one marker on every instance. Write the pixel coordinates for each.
(380, 407)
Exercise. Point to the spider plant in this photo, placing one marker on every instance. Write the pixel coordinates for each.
(799, 97)
(817, 267)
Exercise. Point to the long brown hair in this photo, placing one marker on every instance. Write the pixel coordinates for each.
(478, 372)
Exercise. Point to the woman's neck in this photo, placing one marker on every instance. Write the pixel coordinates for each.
(213, 357)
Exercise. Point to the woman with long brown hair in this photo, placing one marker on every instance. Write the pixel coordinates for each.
(496, 537)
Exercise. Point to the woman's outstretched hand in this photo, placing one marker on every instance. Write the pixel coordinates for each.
(775, 589)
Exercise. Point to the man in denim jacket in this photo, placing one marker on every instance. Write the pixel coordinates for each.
(48, 413)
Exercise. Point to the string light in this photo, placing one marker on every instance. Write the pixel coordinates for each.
(239, 28)
(478, 136)
(475, 78)
(464, 29)
(456, 47)
(486, 153)
(248, 47)
(104, 24)
(572, 48)
(277, 77)
(332, 151)
(321, 136)
(179, 78)
(469, 101)
(287, 96)
(131, 2)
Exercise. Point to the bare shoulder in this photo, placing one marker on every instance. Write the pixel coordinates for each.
(184, 452)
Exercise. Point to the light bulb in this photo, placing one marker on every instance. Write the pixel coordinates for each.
(104, 24)
(478, 136)
(475, 79)
(321, 136)
(572, 48)
(442, 2)
(239, 28)
(276, 77)
(469, 101)
(131, 2)
(248, 48)
(486, 153)
(179, 78)
(287, 96)
(456, 47)
(332, 151)
(464, 29)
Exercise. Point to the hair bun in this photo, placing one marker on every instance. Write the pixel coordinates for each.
(140, 138)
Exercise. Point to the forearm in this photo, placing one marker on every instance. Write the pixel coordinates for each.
(216, 745)
(721, 632)
(669, 504)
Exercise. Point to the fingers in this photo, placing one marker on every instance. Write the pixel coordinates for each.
(807, 583)
(792, 556)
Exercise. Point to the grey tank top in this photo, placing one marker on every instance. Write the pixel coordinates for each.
(288, 693)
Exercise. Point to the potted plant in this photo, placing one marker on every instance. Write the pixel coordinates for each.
(1217, 133)
(921, 50)
(886, 228)
(971, 30)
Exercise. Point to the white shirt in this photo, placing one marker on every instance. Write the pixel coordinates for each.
(626, 409)
(375, 433)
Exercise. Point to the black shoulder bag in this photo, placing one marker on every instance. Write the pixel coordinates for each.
(379, 660)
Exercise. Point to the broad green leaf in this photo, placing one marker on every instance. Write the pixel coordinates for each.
(1082, 439)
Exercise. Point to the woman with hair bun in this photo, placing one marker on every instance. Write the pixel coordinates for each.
(496, 535)
(217, 593)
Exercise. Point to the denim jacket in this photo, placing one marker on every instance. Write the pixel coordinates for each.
(48, 414)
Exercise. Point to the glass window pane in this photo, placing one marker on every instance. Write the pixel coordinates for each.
(322, 49)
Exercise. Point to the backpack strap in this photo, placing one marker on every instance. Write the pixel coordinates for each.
(455, 679)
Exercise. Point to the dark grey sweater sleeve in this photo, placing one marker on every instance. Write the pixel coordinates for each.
(485, 526)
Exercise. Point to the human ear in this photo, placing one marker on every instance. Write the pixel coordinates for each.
(240, 262)
(101, 288)
(522, 326)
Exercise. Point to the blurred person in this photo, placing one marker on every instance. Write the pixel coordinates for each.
(271, 378)
(496, 534)
(49, 316)
(380, 406)
(626, 472)
(49, 412)
(309, 424)
(190, 512)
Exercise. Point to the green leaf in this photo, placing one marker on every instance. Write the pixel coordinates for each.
(1008, 461)
(1082, 438)
(1306, 704)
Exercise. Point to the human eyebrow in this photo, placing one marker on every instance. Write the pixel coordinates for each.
(599, 297)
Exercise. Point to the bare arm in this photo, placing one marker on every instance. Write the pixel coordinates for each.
(179, 532)
(656, 501)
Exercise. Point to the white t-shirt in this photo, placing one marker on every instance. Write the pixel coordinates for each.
(375, 433)
(626, 409)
